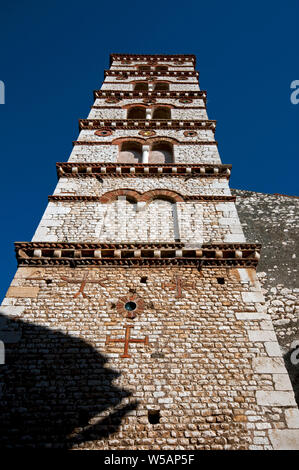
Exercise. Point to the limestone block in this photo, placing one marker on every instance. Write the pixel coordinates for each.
(248, 316)
(275, 398)
(234, 238)
(285, 439)
(267, 365)
(22, 291)
(272, 348)
(12, 310)
(57, 210)
(252, 297)
(229, 221)
(261, 335)
(292, 417)
(282, 382)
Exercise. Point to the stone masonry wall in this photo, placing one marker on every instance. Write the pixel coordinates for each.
(208, 366)
(273, 220)
(121, 220)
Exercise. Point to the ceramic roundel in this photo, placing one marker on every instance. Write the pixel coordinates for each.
(186, 100)
(103, 132)
(147, 133)
(130, 306)
(190, 133)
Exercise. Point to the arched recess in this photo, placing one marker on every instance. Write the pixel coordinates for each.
(161, 86)
(130, 152)
(161, 152)
(161, 68)
(161, 112)
(144, 67)
(136, 112)
(148, 196)
(141, 86)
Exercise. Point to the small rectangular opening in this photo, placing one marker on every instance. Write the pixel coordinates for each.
(153, 416)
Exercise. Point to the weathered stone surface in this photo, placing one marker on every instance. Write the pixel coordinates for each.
(253, 297)
(261, 335)
(22, 291)
(285, 439)
(275, 398)
(292, 418)
(282, 382)
(267, 365)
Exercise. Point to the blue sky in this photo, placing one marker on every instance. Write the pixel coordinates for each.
(53, 55)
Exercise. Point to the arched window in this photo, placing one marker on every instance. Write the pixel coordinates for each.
(138, 112)
(161, 68)
(161, 152)
(130, 152)
(161, 86)
(161, 113)
(141, 86)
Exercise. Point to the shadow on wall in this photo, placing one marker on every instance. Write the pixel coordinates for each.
(291, 360)
(51, 386)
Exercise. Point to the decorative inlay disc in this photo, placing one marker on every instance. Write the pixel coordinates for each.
(103, 132)
(147, 133)
(190, 133)
(130, 306)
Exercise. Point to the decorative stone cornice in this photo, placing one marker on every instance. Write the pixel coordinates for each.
(182, 142)
(150, 73)
(74, 170)
(155, 105)
(126, 94)
(137, 254)
(154, 57)
(91, 124)
(185, 197)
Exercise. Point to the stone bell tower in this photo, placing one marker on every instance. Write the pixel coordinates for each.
(135, 319)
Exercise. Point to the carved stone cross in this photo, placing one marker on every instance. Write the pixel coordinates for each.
(178, 284)
(127, 340)
(82, 283)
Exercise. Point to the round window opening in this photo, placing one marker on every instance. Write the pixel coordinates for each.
(130, 306)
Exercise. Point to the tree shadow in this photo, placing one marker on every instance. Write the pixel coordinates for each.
(51, 386)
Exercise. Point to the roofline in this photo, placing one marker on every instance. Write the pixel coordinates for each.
(183, 56)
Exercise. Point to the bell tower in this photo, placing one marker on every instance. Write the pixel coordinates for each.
(140, 272)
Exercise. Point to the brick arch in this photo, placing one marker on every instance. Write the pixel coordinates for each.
(153, 105)
(130, 194)
(170, 140)
(133, 105)
(150, 140)
(166, 194)
(121, 140)
(136, 196)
